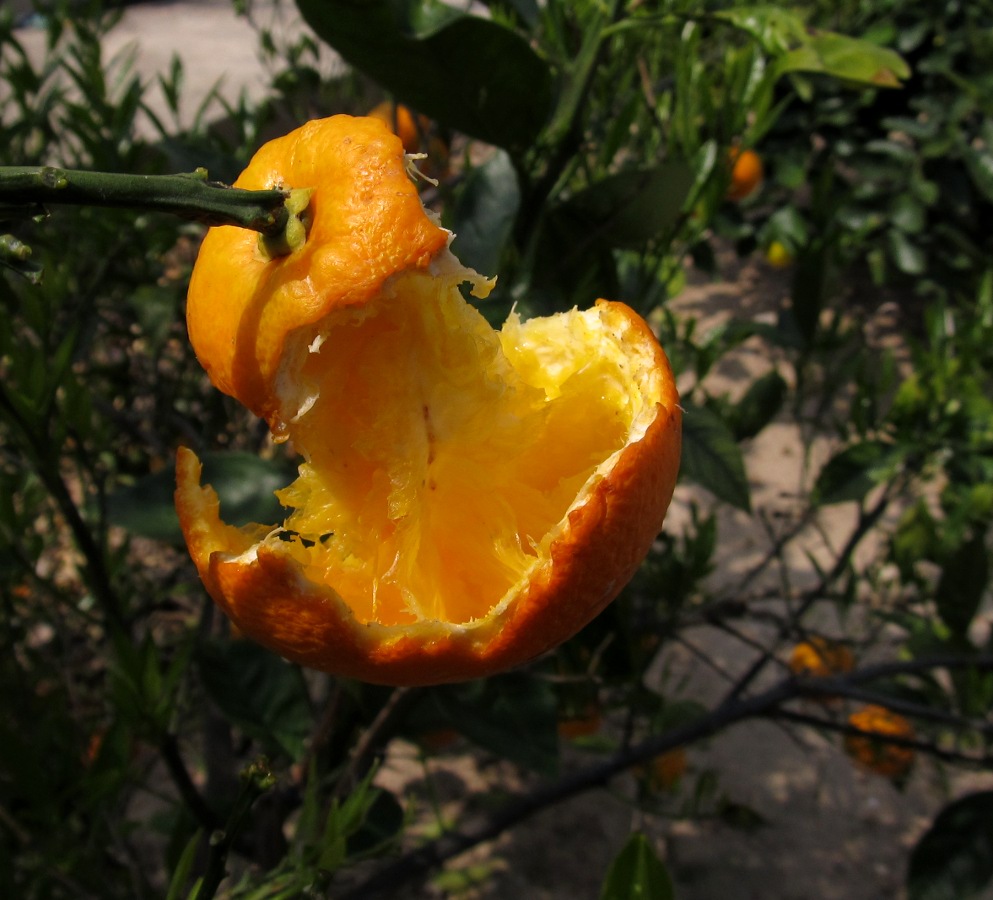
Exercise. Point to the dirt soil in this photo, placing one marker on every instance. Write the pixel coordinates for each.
(823, 830)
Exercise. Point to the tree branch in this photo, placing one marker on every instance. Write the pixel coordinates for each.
(26, 190)
(418, 863)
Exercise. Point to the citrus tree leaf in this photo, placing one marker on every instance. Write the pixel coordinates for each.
(953, 860)
(632, 206)
(784, 34)
(484, 214)
(637, 872)
(244, 482)
(759, 405)
(471, 74)
(908, 257)
(712, 458)
(852, 60)
(513, 716)
(776, 29)
(382, 823)
(850, 474)
(964, 577)
(808, 292)
(263, 695)
(979, 160)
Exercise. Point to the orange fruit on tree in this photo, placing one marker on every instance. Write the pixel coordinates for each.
(778, 255)
(821, 658)
(582, 723)
(874, 750)
(747, 173)
(402, 122)
(468, 498)
(417, 134)
(663, 772)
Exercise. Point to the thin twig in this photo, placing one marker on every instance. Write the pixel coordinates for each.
(205, 816)
(373, 736)
(736, 708)
(931, 749)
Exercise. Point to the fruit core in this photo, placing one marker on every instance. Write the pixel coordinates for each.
(442, 456)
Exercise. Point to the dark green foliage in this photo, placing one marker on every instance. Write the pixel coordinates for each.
(134, 720)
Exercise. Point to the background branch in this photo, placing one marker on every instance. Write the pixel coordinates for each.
(738, 707)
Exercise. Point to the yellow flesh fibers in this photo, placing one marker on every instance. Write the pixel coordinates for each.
(441, 453)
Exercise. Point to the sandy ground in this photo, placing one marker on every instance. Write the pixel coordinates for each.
(829, 831)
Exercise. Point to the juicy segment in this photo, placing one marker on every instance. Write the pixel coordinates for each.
(443, 456)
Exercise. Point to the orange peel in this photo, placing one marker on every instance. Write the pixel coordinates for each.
(469, 498)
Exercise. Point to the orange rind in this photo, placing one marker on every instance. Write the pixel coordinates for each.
(469, 498)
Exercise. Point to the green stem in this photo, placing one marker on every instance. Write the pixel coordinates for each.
(26, 190)
(256, 779)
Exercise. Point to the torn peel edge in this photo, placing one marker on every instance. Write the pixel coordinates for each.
(268, 595)
(264, 593)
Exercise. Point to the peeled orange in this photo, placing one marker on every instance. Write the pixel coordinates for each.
(468, 498)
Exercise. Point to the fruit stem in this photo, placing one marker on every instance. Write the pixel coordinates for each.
(293, 234)
(25, 191)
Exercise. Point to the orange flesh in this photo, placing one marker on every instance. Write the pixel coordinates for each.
(441, 454)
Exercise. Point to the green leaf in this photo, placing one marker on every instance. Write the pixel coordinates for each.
(808, 290)
(244, 482)
(915, 539)
(631, 207)
(797, 48)
(637, 872)
(484, 214)
(471, 74)
(381, 824)
(263, 695)
(513, 716)
(759, 405)
(979, 162)
(908, 214)
(775, 29)
(908, 256)
(964, 577)
(954, 858)
(850, 474)
(712, 458)
(184, 867)
(849, 59)
(345, 818)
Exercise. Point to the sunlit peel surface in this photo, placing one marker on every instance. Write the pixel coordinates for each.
(442, 454)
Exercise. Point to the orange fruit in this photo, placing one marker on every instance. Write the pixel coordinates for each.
(584, 723)
(821, 658)
(437, 739)
(873, 751)
(401, 121)
(417, 134)
(746, 173)
(469, 498)
(778, 256)
(663, 772)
